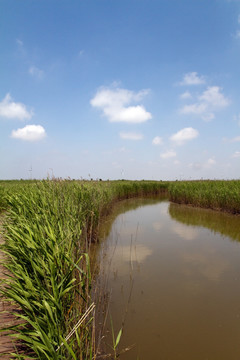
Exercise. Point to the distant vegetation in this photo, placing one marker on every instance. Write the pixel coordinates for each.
(48, 230)
(217, 195)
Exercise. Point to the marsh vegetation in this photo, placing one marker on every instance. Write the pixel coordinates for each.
(49, 228)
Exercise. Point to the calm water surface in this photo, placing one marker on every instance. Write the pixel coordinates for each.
(173, 273)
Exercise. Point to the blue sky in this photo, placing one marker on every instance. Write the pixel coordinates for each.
(135, 89)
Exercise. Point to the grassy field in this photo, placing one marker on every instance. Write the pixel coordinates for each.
(217, 195)
(49, 227)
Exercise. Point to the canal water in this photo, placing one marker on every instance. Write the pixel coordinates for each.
(172, 275)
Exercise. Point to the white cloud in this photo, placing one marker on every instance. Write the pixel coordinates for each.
(168, 154)
(192, 78)
(11, 110)
(29, 133)
(114, 104)
(184, 135)
(157, 140)
(236, 154)
(131, 114)
(214, 97)
(130, 136)
(186, 95)
(208, 102)
(36, 72)
(210, 162)
(196, 109)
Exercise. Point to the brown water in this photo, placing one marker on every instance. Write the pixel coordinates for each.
(173, 275)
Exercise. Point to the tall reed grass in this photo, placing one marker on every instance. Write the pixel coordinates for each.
(48, 230)
(217, 195)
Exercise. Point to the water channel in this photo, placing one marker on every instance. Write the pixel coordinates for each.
(173, 277)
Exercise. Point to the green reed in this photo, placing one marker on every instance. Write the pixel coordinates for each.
(48, 230)
(218, 195)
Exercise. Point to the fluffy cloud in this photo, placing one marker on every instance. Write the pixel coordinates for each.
(185, 95)
(115, 105)
(36, 72)
(157, 140)
(12, 110)
(192, 78)
(130, 136)
(29, 133)
(168, 154)
(210, 162)
(184, 135)
(196, 109)
(208, 102)
(214, 97)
